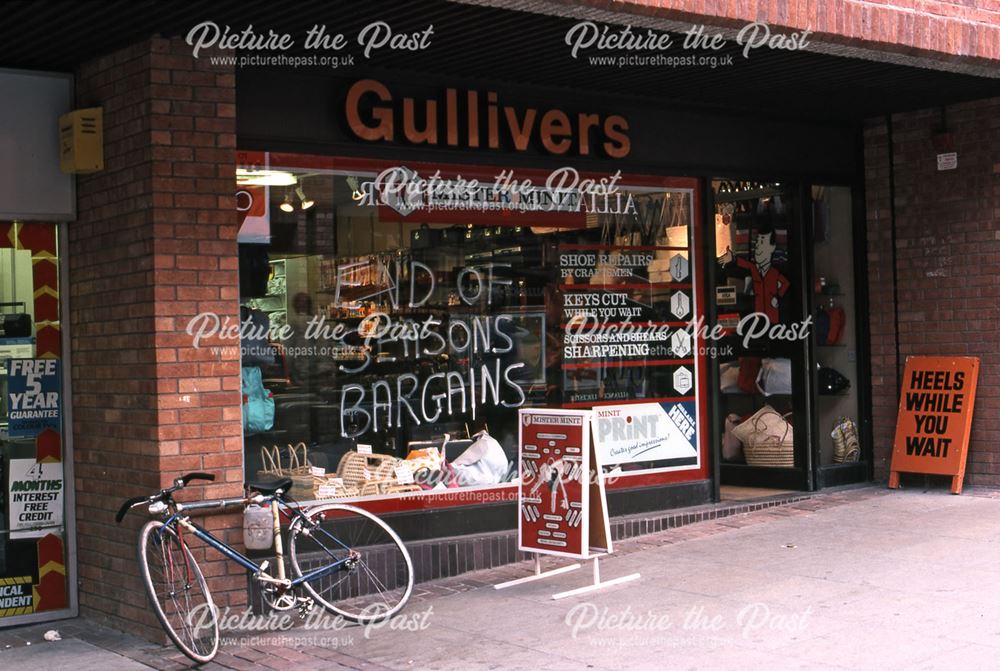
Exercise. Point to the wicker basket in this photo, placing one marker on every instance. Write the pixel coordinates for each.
(332, 487)
(295, 466)
(767, 439)
(270, 459)
(372, 474)
(846, 446)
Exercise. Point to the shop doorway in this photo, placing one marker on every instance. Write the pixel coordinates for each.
(786, 341)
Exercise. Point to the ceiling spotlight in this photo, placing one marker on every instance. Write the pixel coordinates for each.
(306, 202)
(286, 205)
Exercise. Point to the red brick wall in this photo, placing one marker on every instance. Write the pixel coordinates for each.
(926, 27)
(155, 244)
(948, 264)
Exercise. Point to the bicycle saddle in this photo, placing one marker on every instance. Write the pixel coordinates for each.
(268, 488)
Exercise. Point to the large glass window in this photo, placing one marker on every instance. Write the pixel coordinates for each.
(32, 480)
(835, 335)
(397, 337)
(758, 302)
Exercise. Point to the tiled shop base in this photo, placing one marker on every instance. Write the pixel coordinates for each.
(447, 557)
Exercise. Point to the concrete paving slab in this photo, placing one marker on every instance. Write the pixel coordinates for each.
(968, 657)
(68, 654)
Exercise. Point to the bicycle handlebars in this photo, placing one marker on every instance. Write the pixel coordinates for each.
(179, 483)
(128, 505)
(196, 476)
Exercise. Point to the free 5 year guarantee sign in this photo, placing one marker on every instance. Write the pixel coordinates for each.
(33, 398)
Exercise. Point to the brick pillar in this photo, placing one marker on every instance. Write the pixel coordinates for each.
(947, 256)
(154, 245)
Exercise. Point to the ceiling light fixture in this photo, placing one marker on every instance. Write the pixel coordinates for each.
(254, 177)
(306, 202)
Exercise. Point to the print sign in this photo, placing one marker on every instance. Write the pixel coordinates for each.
(632, 433)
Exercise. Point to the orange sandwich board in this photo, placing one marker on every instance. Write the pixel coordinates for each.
(935, 417)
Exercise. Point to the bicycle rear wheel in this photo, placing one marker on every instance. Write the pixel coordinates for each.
(375, 575)
(178, 592)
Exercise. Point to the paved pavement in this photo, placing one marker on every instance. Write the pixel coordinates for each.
(859, 579)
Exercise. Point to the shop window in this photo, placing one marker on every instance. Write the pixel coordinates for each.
(32, 483)
(758, 303)
(395, 343)
(834, 334)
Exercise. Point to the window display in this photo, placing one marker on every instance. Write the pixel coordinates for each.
(835, 337)
(391, 340)
(758, 305)
(32, 481)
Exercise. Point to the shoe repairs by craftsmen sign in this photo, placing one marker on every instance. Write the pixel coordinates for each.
(935, 417)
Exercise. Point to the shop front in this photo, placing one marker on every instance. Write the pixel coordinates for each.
(692, 260)
(419, 262)
(37, 521)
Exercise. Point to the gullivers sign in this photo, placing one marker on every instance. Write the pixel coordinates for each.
(462, 118)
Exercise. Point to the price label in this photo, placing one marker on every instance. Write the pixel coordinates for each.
(317, 471)
(404, 475)
(364, 449)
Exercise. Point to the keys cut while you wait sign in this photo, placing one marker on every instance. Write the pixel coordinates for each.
(935, 417)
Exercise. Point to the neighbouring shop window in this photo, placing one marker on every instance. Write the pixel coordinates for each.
(395, 342)
(834, 334)
(32, 482)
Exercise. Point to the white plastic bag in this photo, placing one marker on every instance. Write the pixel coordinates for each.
(775, 377)
(482, 463)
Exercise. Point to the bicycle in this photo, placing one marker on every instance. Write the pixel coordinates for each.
(365, 581)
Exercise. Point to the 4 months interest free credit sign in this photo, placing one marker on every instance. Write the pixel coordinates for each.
(935, 416)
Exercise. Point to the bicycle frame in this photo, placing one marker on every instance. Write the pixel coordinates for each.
(179, 517)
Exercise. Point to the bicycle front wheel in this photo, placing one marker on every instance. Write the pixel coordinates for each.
(362, 570)
(178, 592)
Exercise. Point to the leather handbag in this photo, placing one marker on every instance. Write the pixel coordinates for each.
(837, 320)
(831, 382)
